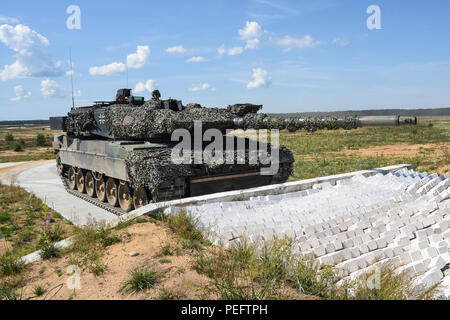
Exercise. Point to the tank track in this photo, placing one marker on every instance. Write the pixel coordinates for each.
(284, 173)
(84, 196)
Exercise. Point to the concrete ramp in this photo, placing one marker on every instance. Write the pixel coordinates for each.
(41, 179)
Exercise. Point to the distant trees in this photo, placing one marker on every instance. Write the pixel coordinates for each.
(41, 140)
(9, 137)
(17, 147)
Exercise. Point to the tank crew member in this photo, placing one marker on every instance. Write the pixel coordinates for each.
(155, 102)
(156, 95)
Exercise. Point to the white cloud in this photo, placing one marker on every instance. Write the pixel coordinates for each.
(231, 52)
(143, 87)
(199, 87)
(51, 88)
(196, 59)
(341, 41)
(109, 69)
(260, 79)
(251, 33)
(137, 60)
(20, 94)
(176, 49)
(134, 60)
(291, 42)
(31, 58)
(12, 20)
(252, 44)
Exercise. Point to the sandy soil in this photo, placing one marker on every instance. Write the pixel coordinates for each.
(28, 152)
(145, 239)
(403, 150)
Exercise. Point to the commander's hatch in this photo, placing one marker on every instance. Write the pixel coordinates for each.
(173, 104)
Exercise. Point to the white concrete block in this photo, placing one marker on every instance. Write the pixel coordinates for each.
(430, 252)
(437, 262)
(319, 251)
(431, 278)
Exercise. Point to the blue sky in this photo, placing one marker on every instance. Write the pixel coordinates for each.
(290, 56)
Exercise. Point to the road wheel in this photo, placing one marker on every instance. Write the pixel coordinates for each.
(80, 181)
(90, 184)
(140, 198)
(111, 192)
(125, 197)
(72, 178)
(100, 188)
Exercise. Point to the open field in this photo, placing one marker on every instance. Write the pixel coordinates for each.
(426, 146)
(21, 143)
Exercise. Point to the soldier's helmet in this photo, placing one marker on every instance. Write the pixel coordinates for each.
(156, 94)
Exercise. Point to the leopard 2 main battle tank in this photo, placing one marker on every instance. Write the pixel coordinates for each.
(119, 154)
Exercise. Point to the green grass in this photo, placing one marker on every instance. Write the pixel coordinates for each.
(49, 251)
(34, 143)
(165, 294)
(39, 291)
(26, 223)
(89, 244)
(334, 141)
(322, 153)
(140, 279)
(165, 261)
(10, 291)
(393, 285)
(185, 226)
(167, 249)
(10, 265)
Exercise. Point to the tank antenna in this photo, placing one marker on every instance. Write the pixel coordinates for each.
(71, 76)
(127, 74)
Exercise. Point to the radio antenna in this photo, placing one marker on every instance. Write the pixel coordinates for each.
(71, 76)
(127, 74)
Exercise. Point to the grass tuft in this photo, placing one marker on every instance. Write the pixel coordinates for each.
(49, 251)
(11, 265)
(185, 226)
(39, 291)
(141, 279)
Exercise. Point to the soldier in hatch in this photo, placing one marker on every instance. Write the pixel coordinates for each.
(156, 95)
(155, 102)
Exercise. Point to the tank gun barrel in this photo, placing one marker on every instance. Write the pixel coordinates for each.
(311, 124)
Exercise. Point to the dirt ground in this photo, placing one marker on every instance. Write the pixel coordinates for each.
(403, 150)
(146, 239)
(407, 150)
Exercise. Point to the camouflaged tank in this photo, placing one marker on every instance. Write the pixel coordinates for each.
(119, 153)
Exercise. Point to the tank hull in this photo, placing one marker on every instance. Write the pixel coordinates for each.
(137, 165)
